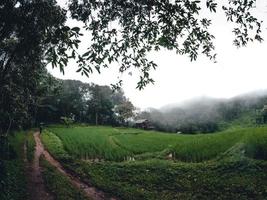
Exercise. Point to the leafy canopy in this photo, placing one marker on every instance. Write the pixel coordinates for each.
(30, 30)
(126, 31)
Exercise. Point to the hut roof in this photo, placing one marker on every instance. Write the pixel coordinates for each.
(140, 121)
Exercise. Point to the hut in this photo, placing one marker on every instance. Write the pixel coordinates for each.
(144, 124)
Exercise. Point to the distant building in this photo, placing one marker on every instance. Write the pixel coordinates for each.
(144, 124)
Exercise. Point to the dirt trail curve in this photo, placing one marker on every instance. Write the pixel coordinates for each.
(90, 191)
(36, 183)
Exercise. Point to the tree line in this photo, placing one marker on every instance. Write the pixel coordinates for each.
(81, 103)
(55, 99)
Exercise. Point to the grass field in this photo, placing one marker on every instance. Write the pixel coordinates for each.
(226, 165)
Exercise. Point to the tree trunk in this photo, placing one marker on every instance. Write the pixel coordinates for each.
(9, 126)
(96, 118)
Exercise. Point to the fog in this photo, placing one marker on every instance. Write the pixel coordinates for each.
(205, 114)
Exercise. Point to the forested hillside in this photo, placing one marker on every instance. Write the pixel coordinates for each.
(208, 114)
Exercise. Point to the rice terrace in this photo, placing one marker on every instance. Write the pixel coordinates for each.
(133, 100)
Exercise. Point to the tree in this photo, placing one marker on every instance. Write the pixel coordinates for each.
(125, 31)
(100, 106)
(103, 104)
(124, 111)
(29, 32)
(67, 121)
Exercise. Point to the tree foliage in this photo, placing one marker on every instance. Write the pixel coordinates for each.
(82, 102)
(125, 111)
(28, 31)
(126, 31)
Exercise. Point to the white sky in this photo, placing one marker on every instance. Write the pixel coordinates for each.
(177, 79)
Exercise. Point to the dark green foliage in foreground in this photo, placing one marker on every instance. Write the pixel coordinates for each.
(12, 171)
(59, 185)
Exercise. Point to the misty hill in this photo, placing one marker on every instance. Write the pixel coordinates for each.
(206, 114)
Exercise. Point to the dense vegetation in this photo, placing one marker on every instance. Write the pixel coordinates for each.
(136, 164)
(13, 184)
(89, 103)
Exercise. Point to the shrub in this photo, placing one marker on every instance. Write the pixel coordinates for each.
(67, 121)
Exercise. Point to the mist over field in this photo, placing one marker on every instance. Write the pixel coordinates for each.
(206, 114)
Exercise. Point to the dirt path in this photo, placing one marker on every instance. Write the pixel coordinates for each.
(36, 183)
(90, 191)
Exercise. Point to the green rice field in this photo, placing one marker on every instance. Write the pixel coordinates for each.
(134, 164)
(119, 144)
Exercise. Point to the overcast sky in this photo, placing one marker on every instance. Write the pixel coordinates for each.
(177, 79)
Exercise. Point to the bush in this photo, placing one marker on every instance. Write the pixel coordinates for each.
(67, 121)
(198, 127)
(256, 146)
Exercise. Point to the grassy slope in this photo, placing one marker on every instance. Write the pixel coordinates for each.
(230, 174)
